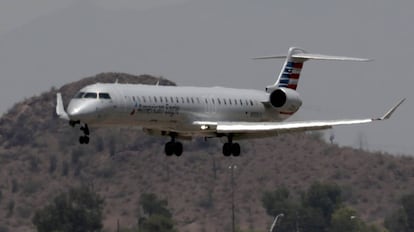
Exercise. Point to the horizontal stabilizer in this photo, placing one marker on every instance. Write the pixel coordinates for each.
(310, 56)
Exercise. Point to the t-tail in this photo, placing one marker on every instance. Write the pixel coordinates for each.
(291, 70)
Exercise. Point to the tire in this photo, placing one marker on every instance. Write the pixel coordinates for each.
(81, 140)
(178, 148)
(169, 149)
(227, 149)
(235, 149)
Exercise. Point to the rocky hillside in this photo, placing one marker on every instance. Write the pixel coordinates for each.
(40, 157)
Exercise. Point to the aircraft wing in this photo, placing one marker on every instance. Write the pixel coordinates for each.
(283, 127)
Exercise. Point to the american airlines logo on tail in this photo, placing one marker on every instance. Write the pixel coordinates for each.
(290, 75)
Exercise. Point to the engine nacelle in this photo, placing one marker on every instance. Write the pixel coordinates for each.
(285, 100)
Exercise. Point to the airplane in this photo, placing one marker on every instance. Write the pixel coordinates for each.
(209, 112)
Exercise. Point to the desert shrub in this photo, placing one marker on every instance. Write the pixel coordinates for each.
(79, 209)
(107, 171)
(33, 163)
(99, 144)
(31, 186)
(65, 168)
(10, 208)
(207, 202)
(4, 228)
(52, 164)
(23, 211)
(14, 186)
(76, 155)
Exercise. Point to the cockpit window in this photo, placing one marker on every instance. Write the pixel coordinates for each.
(90, 95)
(104, 96)
(79, 95)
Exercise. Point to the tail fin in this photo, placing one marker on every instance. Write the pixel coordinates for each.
(290, 73)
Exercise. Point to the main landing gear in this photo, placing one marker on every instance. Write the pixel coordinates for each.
(84, 139)
(231, 148)
(173, 147)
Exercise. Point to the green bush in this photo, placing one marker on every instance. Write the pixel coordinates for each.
(79, 209)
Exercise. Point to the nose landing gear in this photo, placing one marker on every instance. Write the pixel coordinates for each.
(85, 138)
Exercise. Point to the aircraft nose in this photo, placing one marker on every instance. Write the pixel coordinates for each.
(78, 110)
(73, 109)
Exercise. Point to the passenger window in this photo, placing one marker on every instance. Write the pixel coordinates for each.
(206, 100)
(212, 100)
(230, 101)
(161, 99)
(176, 99)
(251, 102)
(79, 95)
(182, 99)
(90, 95)
(188, 100)
(198, 100)
(166, 99)
(224, 100)
(218, 100)
(143, 99)
(192, 100)
(172, 99)
(155, 99)
(241, 102)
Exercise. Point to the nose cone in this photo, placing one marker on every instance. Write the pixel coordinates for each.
(79, 109)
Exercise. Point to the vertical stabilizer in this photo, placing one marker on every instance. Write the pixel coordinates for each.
(290, 73)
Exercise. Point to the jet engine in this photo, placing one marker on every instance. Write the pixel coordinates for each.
(285, 100)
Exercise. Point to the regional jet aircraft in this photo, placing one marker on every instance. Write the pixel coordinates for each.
(186, 112)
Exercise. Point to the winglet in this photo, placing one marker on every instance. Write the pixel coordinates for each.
(60, 110)
(391, 111)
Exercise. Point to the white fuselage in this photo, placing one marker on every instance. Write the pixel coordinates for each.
(170, 108)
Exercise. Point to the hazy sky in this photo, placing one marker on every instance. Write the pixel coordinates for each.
(46, 43)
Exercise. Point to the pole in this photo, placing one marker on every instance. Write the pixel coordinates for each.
(272, 228)
(233, 217)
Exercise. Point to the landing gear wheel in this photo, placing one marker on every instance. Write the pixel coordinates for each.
(169, 148)
(173, 148)
(227, 149)
(84, 139)
(178, 148)
(235, 149)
